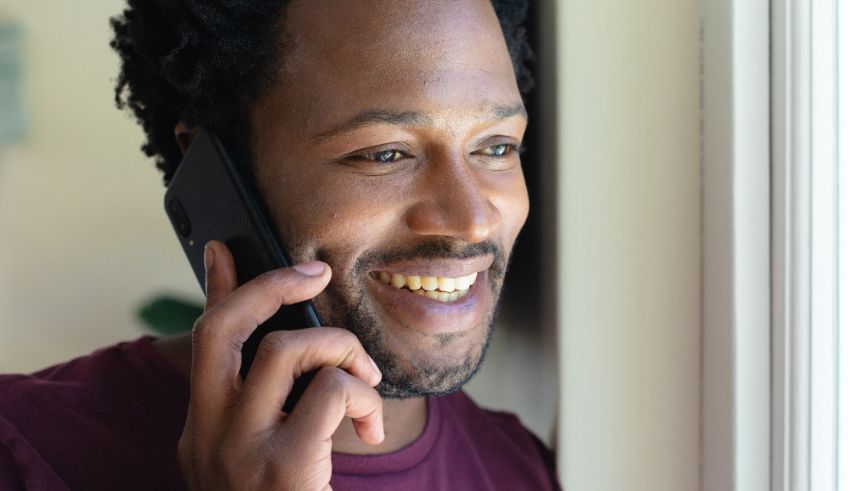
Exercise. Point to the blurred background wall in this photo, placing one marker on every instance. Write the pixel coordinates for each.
(627, 86)
(83, 241)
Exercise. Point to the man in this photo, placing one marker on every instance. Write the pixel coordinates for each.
(384, 139)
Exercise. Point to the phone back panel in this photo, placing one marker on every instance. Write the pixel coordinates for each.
(206, 193)
(209, 199)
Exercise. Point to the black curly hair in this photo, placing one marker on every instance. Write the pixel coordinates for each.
(204, 62)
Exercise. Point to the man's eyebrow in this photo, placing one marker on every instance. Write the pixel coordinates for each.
(368, 118)
(413, 118)
(502, 111)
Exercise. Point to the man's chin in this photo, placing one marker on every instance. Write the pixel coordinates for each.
(415, 362)
(404, 379)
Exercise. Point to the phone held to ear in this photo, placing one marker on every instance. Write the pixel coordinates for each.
(209, 198)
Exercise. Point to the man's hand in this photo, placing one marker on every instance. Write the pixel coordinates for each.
(236, 436)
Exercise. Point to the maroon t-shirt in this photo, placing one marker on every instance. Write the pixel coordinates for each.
(111, 420)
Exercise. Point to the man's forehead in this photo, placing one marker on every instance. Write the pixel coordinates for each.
(353, 63)
(389, 29)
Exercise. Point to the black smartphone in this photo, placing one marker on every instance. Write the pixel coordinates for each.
(210, 198)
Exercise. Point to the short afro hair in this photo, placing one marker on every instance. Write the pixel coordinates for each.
(204, 62)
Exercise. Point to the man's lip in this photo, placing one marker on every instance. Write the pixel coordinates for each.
(447, 268)
(425, 315)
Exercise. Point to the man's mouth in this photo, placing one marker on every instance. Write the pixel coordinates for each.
(441, 288)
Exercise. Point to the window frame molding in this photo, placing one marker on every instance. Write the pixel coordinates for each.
(791, 211)
(736, 303)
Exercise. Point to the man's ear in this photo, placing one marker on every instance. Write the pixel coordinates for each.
(184, 136)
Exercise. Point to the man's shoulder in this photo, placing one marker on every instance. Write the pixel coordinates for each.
(57, 381)
(119, 369)
(116, 406)
(68, 368)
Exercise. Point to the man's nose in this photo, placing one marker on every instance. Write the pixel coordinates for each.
(453, 201)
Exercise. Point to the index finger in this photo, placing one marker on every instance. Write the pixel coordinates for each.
(220, 332)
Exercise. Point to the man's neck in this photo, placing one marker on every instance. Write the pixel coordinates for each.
(404, 419)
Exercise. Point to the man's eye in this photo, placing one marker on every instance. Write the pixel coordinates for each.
(384, 156)
(500, 150)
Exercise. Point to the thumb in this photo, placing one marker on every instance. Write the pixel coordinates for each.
(221, 273)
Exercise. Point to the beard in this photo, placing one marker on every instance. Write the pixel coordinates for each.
(346, 305)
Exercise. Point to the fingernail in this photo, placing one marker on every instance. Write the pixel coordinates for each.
(209, 257)
(313, 268)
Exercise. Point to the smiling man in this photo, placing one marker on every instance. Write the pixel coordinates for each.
(384, 139)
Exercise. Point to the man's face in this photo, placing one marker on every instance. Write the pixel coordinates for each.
(388, 147)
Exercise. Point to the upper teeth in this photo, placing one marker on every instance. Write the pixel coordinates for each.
(428, 283)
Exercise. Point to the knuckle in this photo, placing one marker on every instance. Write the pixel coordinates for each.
(206, 333)
(346, 336)
(352, 345)
(273, 344)
(332, 379)
(338, 337)
(201, 323)
(202, 330)
(273, 276)
(279, 278)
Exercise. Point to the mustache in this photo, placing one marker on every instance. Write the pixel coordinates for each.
(434, 249)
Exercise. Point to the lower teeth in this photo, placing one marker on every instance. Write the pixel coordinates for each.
(438, 295)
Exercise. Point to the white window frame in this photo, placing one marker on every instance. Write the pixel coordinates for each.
(736, 246)
(807, 427)
(844, 244)
(791, 222)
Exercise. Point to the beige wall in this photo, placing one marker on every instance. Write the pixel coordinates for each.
(629, 244)
(82, 239)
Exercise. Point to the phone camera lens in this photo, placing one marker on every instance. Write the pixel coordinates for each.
(178, 218)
